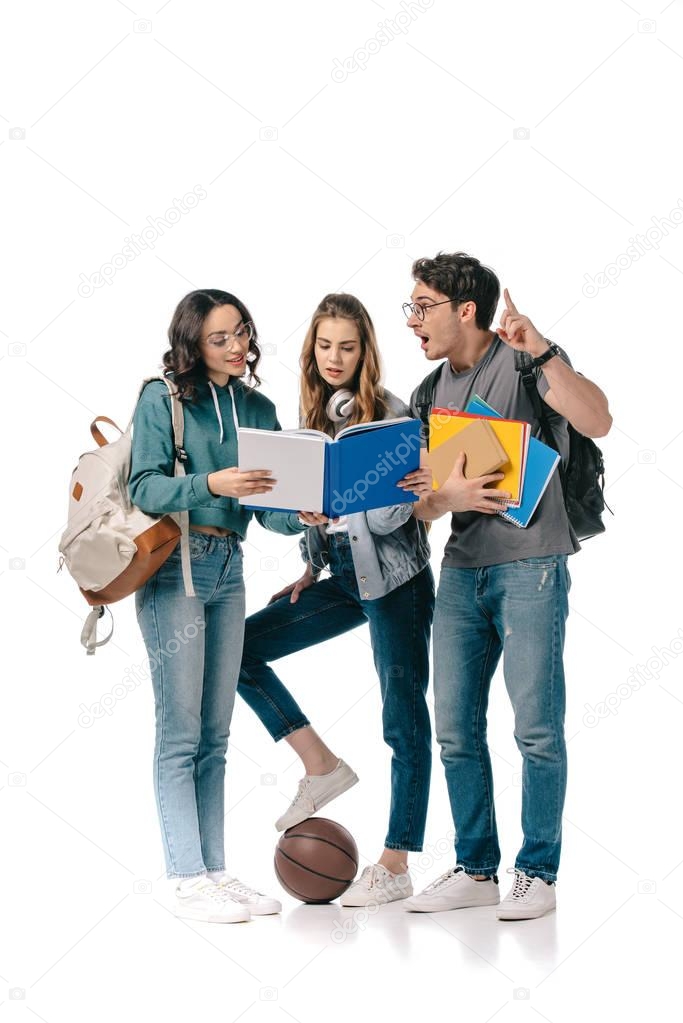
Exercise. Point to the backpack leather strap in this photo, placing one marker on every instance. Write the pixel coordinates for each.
(97, 434)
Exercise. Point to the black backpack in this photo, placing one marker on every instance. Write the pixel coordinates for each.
(583, 479)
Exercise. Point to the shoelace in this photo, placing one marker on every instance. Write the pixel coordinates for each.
(521, 885)
(239, 888)
(444, 879)
(215, 892)
(303, 788)
(371, 876)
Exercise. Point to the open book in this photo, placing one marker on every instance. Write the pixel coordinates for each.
(355, 471)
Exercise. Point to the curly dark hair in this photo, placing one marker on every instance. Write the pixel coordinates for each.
(183, 358)
(457, 275)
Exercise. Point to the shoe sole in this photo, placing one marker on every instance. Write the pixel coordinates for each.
(534, 916)
(261, 911)
(299, 818)
(446, 909)
(371, 902)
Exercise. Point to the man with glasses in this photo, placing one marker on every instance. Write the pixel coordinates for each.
(502, 591)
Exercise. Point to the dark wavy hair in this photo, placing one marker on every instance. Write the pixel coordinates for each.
(183, 359)
(458, 275)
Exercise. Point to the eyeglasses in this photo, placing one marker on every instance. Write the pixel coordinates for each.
(416, 309)
(220, 339)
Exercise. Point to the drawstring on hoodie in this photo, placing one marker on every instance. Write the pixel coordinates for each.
(218, 411)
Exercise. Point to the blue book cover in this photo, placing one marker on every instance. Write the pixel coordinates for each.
(356, 471)
(365, 463)
(478, 407)
(541, 464)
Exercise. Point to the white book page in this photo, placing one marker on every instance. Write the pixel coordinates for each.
(363, 427)
(297, 462)
(305, 431)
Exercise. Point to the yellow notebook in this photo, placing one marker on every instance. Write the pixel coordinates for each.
(513, 435)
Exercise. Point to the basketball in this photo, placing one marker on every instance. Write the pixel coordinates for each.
(316, 861)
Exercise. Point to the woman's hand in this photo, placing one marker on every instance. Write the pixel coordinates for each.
(306, 580)
(312, 518)
(419, 482)
(235, 482)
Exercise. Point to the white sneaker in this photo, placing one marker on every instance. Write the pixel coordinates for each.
(455, 890)
(201, 899)
(257, 903)
(314, 792)
(377, 885)
(529, 898)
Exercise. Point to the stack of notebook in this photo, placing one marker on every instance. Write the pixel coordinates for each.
(493, 444)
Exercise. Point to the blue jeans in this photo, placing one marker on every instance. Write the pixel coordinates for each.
(195, 646)
(518, 610)
(400, 625)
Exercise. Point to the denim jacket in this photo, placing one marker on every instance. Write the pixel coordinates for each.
(388, 545)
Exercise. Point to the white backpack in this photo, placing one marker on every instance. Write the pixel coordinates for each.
(109, 546)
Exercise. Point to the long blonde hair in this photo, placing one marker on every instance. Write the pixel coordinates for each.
(370, 403)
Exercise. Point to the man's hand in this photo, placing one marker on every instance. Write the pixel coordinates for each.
(419, 482)
(518, 331)
(571, 394)
(463, 495)
(306, 580)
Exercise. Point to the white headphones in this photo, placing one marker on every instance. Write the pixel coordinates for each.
(340, 405)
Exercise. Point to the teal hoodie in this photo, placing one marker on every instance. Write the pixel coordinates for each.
(210, 441)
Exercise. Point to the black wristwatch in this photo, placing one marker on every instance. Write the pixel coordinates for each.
(553, 350)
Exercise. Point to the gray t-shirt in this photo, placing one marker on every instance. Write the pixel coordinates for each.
(478, 540)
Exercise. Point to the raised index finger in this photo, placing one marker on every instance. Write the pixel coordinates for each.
(509, 303)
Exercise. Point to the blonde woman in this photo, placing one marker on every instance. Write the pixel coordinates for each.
(379, 574)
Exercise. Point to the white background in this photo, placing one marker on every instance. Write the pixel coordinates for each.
(415, 153)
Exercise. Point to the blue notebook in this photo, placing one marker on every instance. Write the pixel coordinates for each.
(355, 471)
(541, 463)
